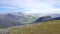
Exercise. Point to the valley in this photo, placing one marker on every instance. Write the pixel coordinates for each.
(19, 23)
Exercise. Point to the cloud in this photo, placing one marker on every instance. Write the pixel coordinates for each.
(6, 7)
(33, 6)
(45, 11)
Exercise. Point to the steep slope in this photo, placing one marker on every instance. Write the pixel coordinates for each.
(48, 18)
(14, 19)
(42, 19)
(7, 22)
(50, 27)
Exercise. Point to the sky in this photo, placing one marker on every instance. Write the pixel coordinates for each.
(30, 6)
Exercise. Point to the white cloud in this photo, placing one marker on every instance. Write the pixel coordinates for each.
(34, 6)
(45, 11)
(7, 7)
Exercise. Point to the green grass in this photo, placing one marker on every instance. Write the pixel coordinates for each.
(51, 27)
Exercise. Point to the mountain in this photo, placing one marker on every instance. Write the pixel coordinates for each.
(48, 18)
(15, 19)
(18, 18)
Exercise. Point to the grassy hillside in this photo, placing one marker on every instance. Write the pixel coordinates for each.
(51, 27)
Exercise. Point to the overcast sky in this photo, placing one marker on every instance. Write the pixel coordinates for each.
(30, 6)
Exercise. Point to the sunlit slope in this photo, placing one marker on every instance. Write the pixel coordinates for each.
(51, 27)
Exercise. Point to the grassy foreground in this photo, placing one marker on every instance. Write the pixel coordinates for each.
(51, 27)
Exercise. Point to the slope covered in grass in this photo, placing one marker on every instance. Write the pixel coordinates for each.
(50, 27)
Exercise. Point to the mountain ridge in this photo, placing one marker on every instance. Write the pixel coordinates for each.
(48, 18)
(14, 19)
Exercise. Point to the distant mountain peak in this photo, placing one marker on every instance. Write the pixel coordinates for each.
(48, 18)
